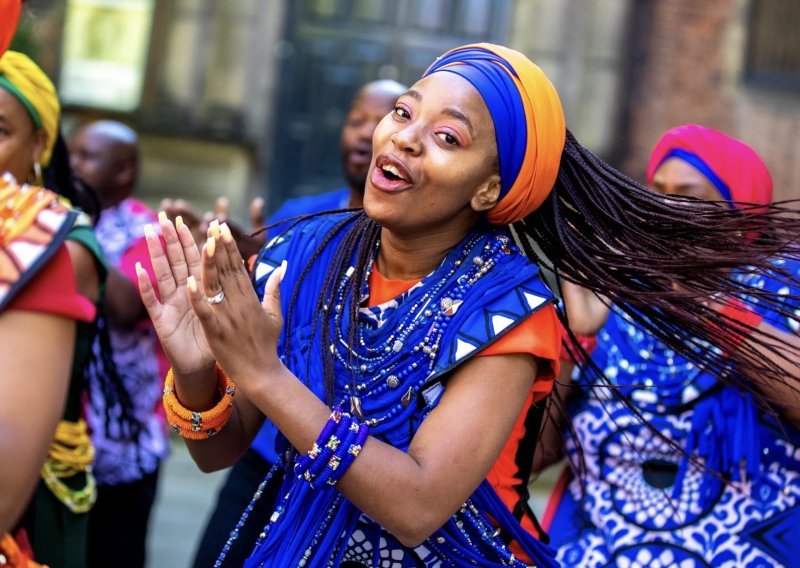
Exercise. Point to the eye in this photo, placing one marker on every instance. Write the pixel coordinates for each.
(447, 138)
(401, 112)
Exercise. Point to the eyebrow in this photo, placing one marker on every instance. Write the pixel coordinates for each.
(458, 115)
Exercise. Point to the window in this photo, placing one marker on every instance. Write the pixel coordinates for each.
(773, 50)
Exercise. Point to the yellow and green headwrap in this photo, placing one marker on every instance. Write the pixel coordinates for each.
(27, 82)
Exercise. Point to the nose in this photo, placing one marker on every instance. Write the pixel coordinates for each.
(407, 140)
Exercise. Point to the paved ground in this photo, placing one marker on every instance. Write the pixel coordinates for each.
(185, 497)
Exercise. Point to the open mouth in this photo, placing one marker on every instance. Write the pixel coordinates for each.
(392, 173)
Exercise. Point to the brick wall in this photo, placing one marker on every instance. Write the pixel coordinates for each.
(687, 68)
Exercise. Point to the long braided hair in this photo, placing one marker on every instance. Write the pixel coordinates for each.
(658, 259)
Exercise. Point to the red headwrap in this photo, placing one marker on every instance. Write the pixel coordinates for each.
(9, 16)
(734, 164)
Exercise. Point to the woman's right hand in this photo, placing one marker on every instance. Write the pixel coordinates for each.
(170, 310)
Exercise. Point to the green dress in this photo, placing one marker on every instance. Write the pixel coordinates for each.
(58, 535)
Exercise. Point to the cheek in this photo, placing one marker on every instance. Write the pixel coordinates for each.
(15, 159)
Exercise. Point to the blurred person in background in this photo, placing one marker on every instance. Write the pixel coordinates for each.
(51, 281)
(128, 454)
(369, 106)
(711, 477)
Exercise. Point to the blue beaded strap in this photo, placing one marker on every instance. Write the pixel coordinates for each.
(249, 509)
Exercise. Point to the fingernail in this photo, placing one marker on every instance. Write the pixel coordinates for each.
(191, 284)
(162, 217)
(226, 233)
(214, 226)
(211, 246)
(178, 222)
(148, 230)
(284, 264)
(138, 267)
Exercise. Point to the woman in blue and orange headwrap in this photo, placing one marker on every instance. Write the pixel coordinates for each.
(55, 521)
(401, 349)
(720, 466)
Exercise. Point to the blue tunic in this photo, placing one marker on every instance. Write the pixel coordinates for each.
(464, 309)
(644, 503)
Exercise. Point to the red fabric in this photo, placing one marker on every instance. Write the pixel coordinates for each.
(736, 163)
(53, 291)
(587, 342)
(555, 498)
(742, 320)
(137, 253)
(9, 10)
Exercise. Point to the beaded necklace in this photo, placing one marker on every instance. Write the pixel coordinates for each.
(418, 319)
(395, 356)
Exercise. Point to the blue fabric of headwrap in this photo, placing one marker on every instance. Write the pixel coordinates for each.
(485, 71)
(697, 163)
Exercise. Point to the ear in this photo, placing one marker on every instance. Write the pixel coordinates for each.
(487, 194)
(39, 145)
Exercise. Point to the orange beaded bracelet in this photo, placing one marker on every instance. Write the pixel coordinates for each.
(199, 425)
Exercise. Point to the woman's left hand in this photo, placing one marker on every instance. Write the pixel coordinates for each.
(242, 333)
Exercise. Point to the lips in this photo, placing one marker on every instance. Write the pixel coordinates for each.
(390, 174)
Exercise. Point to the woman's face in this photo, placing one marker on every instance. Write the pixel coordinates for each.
(21, 144)
(677, 177)
(434, 162)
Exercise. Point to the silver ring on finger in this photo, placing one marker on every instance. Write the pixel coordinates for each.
(216, 298)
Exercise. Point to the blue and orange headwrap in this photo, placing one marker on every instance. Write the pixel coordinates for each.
(732, 167)
(528, 122)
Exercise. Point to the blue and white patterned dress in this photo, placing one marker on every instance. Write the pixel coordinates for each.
(642, 503)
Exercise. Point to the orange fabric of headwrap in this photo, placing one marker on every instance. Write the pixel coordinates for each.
(539, 153)
(733, 167)
(9, 17)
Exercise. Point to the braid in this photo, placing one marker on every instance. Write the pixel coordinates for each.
(358, 241)
(661, 259)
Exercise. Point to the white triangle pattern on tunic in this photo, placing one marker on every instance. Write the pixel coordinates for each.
(463, 348)
(263, 269)
(534, 300)
(499, 323)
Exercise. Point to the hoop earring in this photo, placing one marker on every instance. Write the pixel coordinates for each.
(38, 179)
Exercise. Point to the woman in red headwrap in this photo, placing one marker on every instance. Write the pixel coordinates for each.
(400, 349)
(689, 468)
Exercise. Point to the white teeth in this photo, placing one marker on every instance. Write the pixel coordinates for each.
(392, 170)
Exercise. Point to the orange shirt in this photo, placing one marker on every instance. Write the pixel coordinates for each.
(539, 335)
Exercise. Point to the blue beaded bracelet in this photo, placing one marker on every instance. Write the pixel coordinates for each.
(350, 455)
(329, 448)
(336, 459)
(305, 461)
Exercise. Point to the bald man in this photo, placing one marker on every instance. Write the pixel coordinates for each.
(105, 154)
(371, 103)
